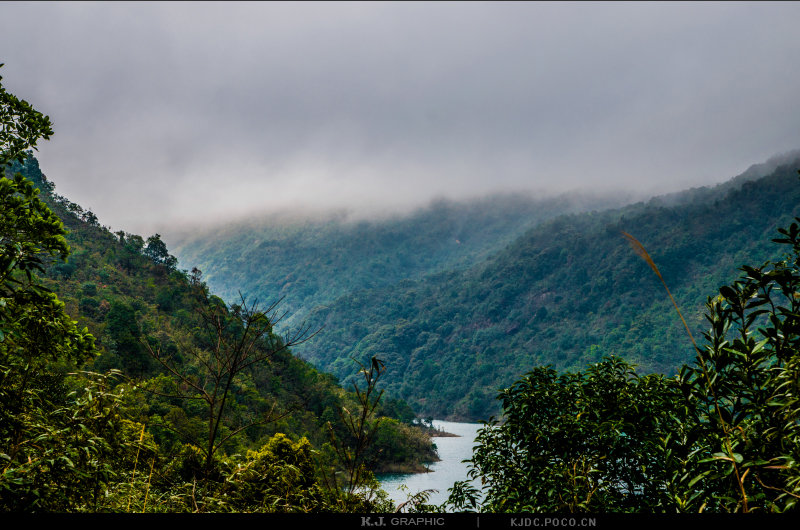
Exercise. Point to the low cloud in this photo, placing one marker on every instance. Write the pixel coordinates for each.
(174, 112)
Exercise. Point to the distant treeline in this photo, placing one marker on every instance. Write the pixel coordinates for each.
(458, 310)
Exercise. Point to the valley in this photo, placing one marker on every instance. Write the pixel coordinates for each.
(404, 264)
(455, 323)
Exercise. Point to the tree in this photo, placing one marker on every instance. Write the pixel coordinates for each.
(278, 477)
(360, 427)
(743, 392)
(156, 250)
(722, 436)
(27, 226)
(56, 436)
(208, 368)
(587, 441)
(21, 127)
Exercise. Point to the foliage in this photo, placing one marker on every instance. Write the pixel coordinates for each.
(209, 369)
(744, 388)
(21, 126)
(587, 441)
(567, 292)
(27, 229)
(723, 436)
(281, 476)
(77, 430)
(59, 434)
(66, 452)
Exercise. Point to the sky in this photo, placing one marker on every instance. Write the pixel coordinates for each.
(176, 114)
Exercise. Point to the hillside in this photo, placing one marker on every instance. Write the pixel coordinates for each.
(566, 293)
(308, 261)
(311, 261)
(134, 301)
(459, 298)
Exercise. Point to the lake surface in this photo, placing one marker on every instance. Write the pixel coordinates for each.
(452, 450)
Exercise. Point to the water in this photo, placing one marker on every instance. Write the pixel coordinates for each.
(452, 450)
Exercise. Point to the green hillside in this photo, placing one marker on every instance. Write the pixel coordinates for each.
(566, 293)
(126, 385)
(309, 262)
(460, 298)
(191, 418)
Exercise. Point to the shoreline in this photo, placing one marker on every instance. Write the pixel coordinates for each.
(405, 469)
(443, 434)
(423, 467)
(453, 449)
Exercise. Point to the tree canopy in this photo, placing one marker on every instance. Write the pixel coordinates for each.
(114, 419)
(54, 439)
(722, 436)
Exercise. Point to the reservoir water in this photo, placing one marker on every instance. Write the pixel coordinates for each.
(452, 451)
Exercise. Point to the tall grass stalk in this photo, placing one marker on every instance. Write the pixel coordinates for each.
(640, 250)
(135, 462)
(149, 477)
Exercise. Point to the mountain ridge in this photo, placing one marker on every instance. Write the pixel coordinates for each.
(310, 262)
(457, 325)
(453, 335)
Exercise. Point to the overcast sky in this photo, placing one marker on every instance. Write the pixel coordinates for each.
(180, 112)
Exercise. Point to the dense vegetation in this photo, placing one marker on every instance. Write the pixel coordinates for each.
(566, 293)
(722, 436)
(126, 386)
(312, 261)
(455, 322)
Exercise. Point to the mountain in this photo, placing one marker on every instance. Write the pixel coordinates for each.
(459, 299)
(565, 293)
(129, 294)
(308, 262)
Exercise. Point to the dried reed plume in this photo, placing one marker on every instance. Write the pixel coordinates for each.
(639, 249)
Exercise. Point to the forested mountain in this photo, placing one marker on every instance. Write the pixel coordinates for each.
(308, 261)
(457, 322)
(199, 382)
(311, 261)
(566, 293)
(126, 386)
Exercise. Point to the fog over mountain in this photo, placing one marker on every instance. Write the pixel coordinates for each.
(176, 113)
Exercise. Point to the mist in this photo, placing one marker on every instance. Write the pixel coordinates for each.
(168, 115)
